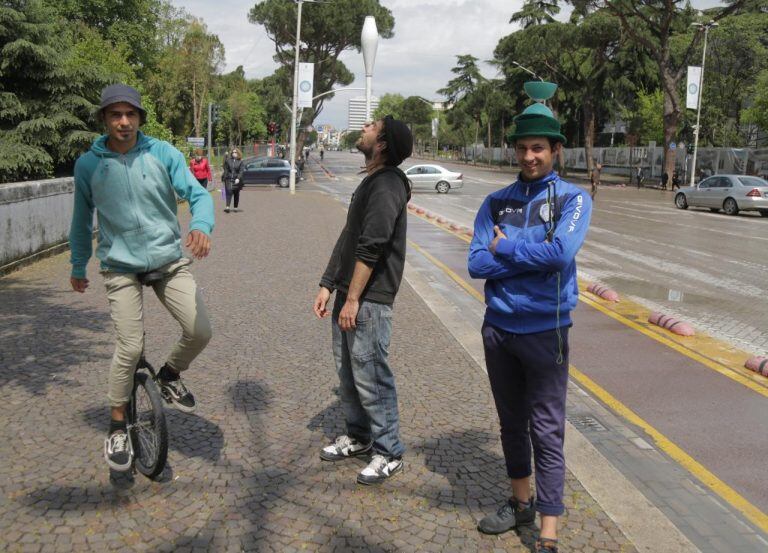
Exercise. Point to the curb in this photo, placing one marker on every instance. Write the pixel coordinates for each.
(759, 364)
(672, 324)
(604, 292)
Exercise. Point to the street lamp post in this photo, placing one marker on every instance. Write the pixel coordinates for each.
(369, 39)
(706, 27)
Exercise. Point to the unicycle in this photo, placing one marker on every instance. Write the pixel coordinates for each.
(146, 412)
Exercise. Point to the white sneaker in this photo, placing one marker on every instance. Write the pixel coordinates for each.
(379, 469)
(344, 448)
(118, 451)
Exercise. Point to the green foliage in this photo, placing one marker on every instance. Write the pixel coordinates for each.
(390, 104)
(43, 113)
(757, 113)
(536, 12)
(646, 120)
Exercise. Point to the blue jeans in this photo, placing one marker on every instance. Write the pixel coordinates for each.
(367, 385)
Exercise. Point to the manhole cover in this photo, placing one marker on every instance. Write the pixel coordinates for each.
(586, 422)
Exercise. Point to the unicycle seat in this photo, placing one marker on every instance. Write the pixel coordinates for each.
(150, 277)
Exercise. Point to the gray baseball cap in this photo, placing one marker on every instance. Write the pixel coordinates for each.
(115, 93)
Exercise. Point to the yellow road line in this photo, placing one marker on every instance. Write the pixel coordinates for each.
(447, 270)
(722, 489)
(754, 514)
(715, 366)
(709, 349)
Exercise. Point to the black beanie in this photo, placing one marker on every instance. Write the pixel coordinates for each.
(399, 141)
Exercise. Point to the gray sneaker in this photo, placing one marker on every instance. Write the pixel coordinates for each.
(379, 469)
(118, 451)
(509, 516)
(344, 448)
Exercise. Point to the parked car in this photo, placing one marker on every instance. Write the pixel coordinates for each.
(731, 193)
(267, 170)
(434, 177)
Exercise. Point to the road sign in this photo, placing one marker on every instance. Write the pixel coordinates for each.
(672, 145)
(197, 141)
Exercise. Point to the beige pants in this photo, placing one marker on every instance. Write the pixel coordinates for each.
(179, 294)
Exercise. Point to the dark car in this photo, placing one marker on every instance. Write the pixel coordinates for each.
(267, 170)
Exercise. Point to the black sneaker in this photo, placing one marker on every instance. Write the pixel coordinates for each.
(379, 469)
(118, 451)
(509, 516)
(344, 448)
(544, 545)
(174, 391)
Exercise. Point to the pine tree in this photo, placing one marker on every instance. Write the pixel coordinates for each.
(42, 114)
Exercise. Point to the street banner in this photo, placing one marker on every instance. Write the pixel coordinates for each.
(435, 124)
(306, 84)
(692, 88)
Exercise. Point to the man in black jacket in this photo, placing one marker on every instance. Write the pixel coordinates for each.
(365, 269)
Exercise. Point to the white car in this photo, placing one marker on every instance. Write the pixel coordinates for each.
(434, 177)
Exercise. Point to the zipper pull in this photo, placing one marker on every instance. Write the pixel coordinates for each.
(527, 189)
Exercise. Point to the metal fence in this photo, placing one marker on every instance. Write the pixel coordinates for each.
(624, 160)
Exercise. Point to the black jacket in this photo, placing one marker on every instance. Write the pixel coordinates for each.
(374, 234)
(233, 169)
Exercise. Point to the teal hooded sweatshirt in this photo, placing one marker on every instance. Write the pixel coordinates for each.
(134, 195)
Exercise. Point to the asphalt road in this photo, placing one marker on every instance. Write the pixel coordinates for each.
(706, 268)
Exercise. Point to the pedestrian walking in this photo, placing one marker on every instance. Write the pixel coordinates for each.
(200, 168)
(322, 152)
(675, 180)
(594, 179)
(365, 270)
(525, 241)
(233, 179)
(639, 175)
(664, 180)
(131, 181)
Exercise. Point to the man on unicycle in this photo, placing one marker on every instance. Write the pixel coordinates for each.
(132, 181)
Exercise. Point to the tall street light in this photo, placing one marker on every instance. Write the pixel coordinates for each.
(706, 27)
(369, 39)
(292, 178)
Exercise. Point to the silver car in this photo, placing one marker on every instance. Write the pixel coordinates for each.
(434, 177)
(731, 193)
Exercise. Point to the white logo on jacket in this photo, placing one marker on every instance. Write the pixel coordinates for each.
(576, 213)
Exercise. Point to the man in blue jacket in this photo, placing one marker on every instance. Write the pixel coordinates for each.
(132, 182)
(525, 244)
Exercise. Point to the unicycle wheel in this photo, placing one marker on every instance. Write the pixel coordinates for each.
(149, 432)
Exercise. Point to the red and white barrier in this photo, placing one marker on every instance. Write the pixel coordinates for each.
(442, 220)
(672, 324)
(759, 364)
(420, 210)
(603, 292)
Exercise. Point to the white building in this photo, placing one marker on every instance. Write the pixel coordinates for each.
(356, 112)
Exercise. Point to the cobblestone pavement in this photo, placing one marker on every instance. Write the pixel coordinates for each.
(245, 472)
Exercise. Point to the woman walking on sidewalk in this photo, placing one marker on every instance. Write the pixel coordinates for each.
(233, 179)
(200, 168)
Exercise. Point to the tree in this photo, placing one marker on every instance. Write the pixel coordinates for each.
(536, 12)
(757, 113)
(327, 30)
(460, 92)
(656, 26)
(389, 104)
(350, 139)
(42, 112)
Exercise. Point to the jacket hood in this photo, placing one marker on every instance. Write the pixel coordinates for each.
(397, 171)
(99, 147)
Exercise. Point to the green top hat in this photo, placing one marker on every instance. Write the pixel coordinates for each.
(537, 119)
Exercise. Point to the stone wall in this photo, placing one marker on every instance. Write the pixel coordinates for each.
(34, 217)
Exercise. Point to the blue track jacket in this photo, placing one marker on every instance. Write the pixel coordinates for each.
(134, 196)
(531, 282)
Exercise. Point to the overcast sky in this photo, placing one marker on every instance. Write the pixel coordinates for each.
(417, 60)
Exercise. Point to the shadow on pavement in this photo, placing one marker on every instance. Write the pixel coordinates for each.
(330, 421)
(188, 434)
(43, 337)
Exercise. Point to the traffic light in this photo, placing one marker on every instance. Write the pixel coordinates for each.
(214, 112)
(272, 127)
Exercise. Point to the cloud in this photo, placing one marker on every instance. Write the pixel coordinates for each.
(416, 61)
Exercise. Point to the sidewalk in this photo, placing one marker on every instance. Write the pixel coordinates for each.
(245, 470)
